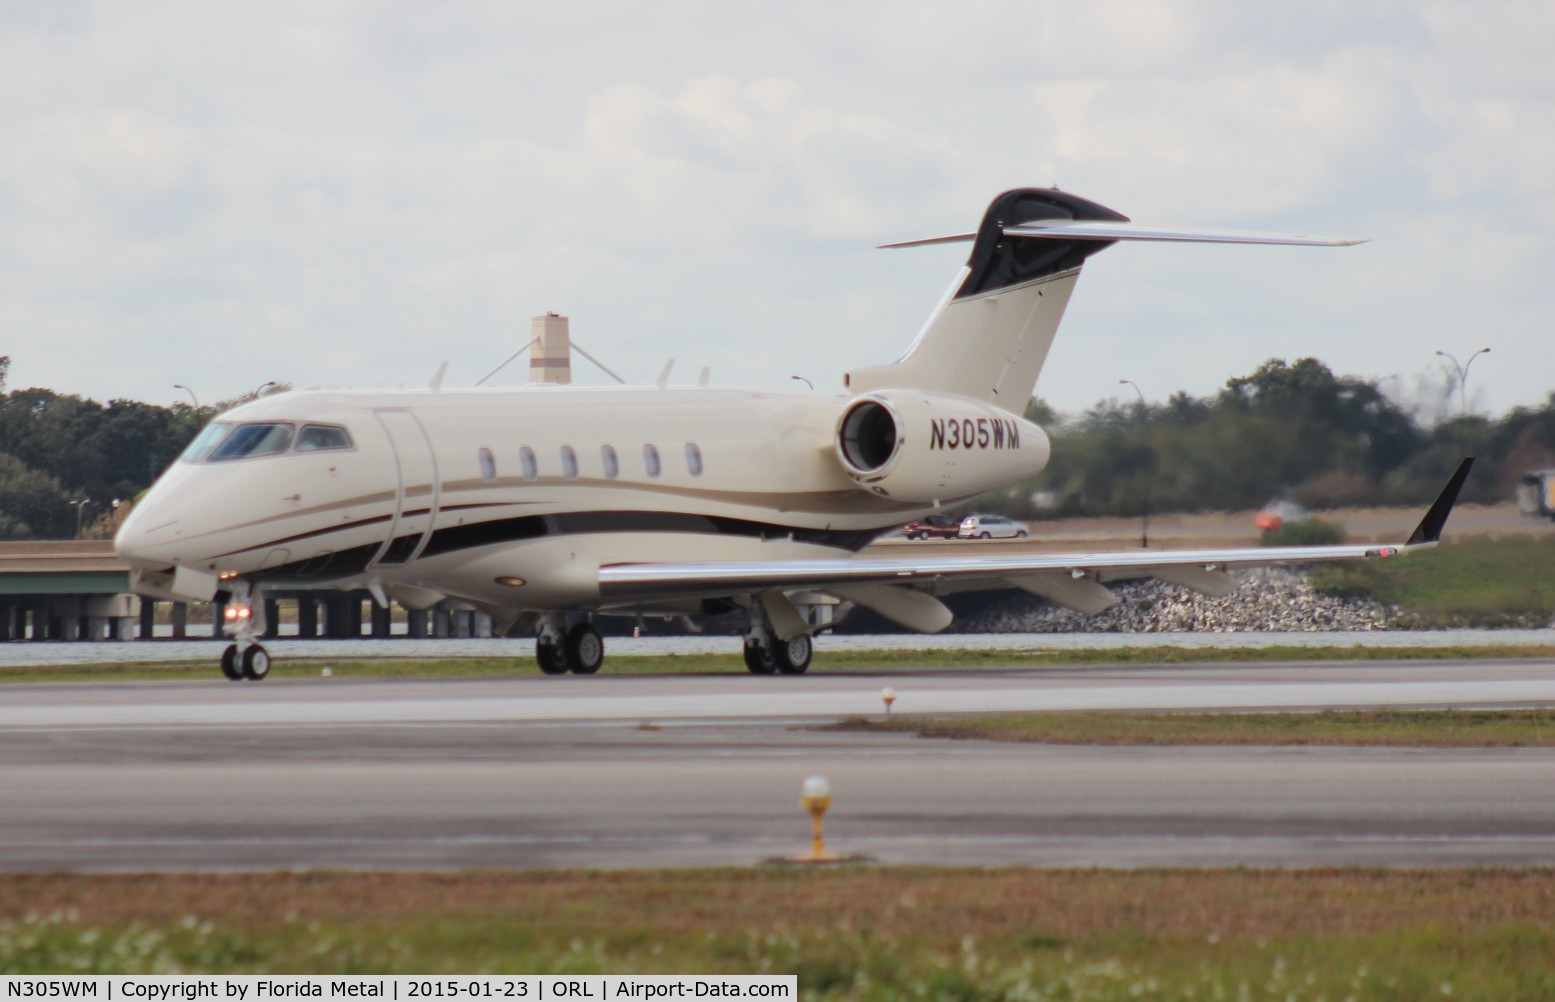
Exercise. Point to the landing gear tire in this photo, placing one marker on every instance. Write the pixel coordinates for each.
(229, 664)
(552, 658)
(760, 659)
(585, 649)
(793, 656)
(256, 664)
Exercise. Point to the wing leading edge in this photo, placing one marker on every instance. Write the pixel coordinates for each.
(1072, 579)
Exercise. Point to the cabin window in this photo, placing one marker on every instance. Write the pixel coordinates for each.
(569, 463)
(693, 459)
(249, 440)
(488, 465)
(528, 463)
(314, 437)
(607, 456)
(651, 460)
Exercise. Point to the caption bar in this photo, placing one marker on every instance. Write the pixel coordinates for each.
(396, 988)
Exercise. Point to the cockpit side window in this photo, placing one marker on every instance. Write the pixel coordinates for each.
(205, 441)
(250, 440)
(314, 437)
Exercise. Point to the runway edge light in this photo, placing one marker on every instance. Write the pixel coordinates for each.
(815, 797)
(888, 696)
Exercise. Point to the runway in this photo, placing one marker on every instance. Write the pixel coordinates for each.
(705, 770)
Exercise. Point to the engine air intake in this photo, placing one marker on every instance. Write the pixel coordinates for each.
(869, 436)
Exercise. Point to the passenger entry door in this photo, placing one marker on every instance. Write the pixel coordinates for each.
(417, 493)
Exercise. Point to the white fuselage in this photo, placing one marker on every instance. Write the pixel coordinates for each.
(434, 491)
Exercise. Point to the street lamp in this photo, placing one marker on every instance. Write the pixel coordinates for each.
(1463, 377)
(80, 506)
(181, 386)
(803, 380)
(1144, 528)
(262, 388)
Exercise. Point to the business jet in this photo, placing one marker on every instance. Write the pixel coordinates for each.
(549, 506)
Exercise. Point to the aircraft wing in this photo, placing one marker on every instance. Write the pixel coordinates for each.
(1076, 580)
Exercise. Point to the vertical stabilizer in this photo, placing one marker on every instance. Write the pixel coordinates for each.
(990, 336)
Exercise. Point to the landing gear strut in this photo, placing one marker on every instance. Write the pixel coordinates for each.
(578, 649)
(766, 654)
(245, 659)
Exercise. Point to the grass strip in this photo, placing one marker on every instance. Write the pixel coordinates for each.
(826, 661)
(852, 934)
(1401, 728)
(1467, 583)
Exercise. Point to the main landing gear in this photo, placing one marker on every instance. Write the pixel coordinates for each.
(578, 649)
(769, 656)
(765, 654)
(245, 659)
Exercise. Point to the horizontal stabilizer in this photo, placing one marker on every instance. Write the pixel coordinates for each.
(1095, 229)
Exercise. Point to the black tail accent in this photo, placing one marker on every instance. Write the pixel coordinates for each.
(1430, 528)
(998, 261)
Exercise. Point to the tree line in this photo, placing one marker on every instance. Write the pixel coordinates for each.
(1292, 430)
(1287, 430)
(65, 460)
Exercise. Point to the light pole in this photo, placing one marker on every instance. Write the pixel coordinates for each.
(181, 386)
(262, 388)
(1144, 528)
(80, 506)
(1463, 377)
(803, 380)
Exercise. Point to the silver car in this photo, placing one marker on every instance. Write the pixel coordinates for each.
(991, 527)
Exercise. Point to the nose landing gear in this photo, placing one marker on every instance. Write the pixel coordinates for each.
(244, 621)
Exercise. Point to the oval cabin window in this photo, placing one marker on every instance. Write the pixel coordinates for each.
(569, 463)
(693, 459)
(528, 463)
(651, 460)
(488, 466)
(607, 457)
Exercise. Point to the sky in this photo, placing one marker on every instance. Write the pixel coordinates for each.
(346, 193)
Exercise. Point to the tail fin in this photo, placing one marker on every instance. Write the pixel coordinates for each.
(990, 335)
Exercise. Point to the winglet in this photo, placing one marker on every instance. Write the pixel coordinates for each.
(1430, 528)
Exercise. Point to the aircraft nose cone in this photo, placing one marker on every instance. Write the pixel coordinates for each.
(137, 546)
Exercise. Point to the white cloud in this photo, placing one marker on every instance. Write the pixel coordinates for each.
(348, 193)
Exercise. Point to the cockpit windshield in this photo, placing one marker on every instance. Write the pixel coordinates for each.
(205, 441)
(249, 440)
(221, 441)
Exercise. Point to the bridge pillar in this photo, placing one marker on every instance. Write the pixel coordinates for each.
(383, 621)
(416, 623)
(440, 620)
(272, 619)
(307, 616)
(482, 625)
(180, 620)
(148, 618)
(6, 619)
(218, 617)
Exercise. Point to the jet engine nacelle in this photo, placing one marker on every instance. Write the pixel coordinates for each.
(918, 446)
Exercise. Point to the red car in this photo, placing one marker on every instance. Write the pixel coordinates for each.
(933, 527)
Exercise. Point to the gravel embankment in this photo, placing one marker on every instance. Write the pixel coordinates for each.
(1270, 599)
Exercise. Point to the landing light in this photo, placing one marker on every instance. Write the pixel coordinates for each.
(512, 582)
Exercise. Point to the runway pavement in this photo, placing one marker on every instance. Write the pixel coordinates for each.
(696, 770)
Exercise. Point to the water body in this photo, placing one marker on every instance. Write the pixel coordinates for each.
(21, 654)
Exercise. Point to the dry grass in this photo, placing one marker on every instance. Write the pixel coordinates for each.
(1401, 728)
(862, 934)
(988, 904)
